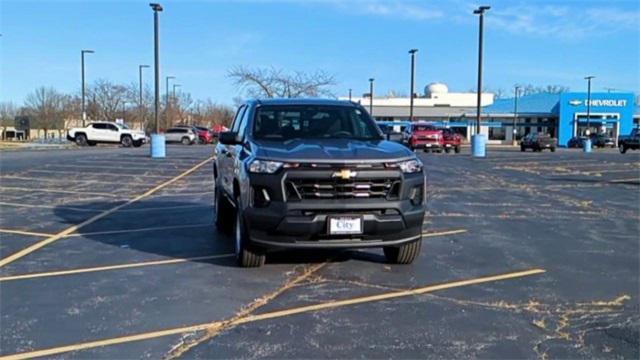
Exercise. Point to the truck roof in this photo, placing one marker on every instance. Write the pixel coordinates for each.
(303, 101)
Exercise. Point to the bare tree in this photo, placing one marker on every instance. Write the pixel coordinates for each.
(207, 113)
(107, 99)
(47, 108)
(549, 89)
(271, 82)
(8, 112)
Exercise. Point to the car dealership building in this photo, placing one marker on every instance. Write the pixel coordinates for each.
(561, 115)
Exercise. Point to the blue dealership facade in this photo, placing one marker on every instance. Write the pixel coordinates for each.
(561, 115)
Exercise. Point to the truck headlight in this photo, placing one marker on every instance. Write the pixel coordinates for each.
(264, 166)
(407, 167)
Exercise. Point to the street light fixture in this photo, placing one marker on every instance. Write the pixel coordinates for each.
(371, 80)
(413, 73)
(479, 144)
(588, 78)
(84, 113)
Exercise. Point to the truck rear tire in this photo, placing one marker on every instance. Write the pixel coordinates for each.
(623, 149)
(81, 140)
(223, 213)
(457, 149)
(403, 254)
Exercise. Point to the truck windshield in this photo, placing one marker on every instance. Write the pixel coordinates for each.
(285, 122)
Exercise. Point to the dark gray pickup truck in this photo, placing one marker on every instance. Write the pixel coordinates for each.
(538, 142)
(316, 174)
(631, 141)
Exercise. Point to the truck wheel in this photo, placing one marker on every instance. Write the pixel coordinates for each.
(81, 140)
(553, 149)
(186, 141)
(403, 254)
(137, 143)
(223, 213)
(126, 141)
(246, 255)
(522, 148)
(447, 150)
(623, 149)
(457, 149)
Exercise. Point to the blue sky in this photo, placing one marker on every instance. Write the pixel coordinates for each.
(537, 42)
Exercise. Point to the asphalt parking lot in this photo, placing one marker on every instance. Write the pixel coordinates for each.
(106, 253)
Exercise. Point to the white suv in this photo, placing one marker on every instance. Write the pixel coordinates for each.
(183, 135)
(106, 132)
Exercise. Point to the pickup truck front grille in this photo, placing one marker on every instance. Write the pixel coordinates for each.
(378, 188)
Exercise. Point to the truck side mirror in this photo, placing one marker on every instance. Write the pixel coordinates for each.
(229, 138)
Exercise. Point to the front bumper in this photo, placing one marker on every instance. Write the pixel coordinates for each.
(303, 224)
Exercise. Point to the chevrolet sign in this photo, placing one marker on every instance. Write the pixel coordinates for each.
(600, 102)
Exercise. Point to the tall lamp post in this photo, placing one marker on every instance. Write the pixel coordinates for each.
(588, 78)
(84, 113)
(124, 110)
(349, 94)
(174, 90)
(413, 74)
(140, 104)
(157, 140)
(478, 140)
(515, 114)
(371, 80)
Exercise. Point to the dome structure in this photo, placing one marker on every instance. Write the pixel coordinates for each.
(435, 88)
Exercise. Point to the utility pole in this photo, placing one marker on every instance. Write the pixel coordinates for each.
(413, 73)
(84, 112)
(478, 147)
(156, 9)
(349, 94)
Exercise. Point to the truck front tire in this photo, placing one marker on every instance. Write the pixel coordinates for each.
(223, 213)
(403, 254)
(126, 141)
(246, 255)
(623, 149)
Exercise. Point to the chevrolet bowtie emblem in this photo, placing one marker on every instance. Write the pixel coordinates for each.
(344, 174)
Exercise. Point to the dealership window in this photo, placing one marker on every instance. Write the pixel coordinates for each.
(496, 133)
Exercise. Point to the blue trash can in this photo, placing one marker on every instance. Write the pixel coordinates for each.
(158, 147)
(478, 145)
(586, 146)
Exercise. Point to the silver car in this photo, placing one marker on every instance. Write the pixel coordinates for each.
(181, 135)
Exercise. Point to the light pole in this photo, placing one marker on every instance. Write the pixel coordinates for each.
(371, 80)
(413, 73)
(84, 113)
(349, 94)
(140, 67)
(174, 90)
(166, 94)
(515, 114)
(157, 140)
(588, 78)
(478, 147)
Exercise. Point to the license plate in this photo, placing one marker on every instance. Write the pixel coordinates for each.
(427, 145)
(345, 225)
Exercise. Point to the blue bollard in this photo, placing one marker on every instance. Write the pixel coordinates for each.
(586, 146)
(478, 145)
(158, 147)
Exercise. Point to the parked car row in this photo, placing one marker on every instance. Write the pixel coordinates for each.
(108, 132)
(597, 140)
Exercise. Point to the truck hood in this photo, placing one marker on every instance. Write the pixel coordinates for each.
(331, 150)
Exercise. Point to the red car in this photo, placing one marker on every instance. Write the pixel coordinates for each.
(204, 135)
(427, 137)
(452, 140)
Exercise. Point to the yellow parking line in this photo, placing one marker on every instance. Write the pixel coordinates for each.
(11, 258)
(11, 188)
(20, 232)
(270, 315)
(110, 267)
(155, 228)
(443, 233)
